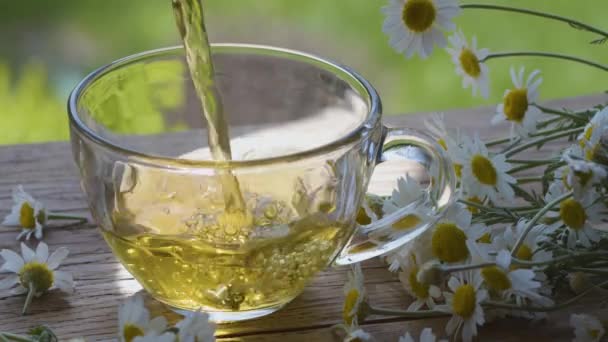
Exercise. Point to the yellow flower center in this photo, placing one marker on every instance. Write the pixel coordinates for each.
(516, 104)
(131, 331)
(464, 301)
(583, 177)
(443, 144)
(408, 222)
(419, 289)
(458, 170)
(495, 278)
(449, 243)
(573, 214)
(363, 218)
(419, 15)
(483, 170)
(594, 333)
(524, 253)
(352, 297)
(588, 133)
(592, 152)
(475, 210)
(469, 63)
(26, 216)
(485, 238)
(37, 274)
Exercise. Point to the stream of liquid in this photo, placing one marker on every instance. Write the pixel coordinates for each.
(190, 21)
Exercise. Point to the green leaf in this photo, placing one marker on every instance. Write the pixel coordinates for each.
(43, 334)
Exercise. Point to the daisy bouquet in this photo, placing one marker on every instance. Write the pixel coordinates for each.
(526, 236)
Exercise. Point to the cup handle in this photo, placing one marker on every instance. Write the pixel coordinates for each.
(405, 144)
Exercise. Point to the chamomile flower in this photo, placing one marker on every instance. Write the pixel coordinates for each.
(587, 328)
(196, 328)
(450, 234)
(576, 214)
(27, 213)
(425, 336)
(505, 283)
(485, 175)
(423, 294)
(463, 301)
(418, 248)
(580, 175)
(134, 320)
(415, 26)
(355, 305)
(590, 141)
(406, 197)
(35, 270)
(438, 129)
(473, 199)
(467, 59)
(518, 104)
(529, 249)
(452, 141)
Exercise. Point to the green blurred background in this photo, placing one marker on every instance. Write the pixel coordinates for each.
(46, 47)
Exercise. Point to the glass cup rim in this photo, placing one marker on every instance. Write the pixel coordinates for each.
(355, 79)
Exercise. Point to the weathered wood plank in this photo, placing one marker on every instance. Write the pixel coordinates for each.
(47, 171)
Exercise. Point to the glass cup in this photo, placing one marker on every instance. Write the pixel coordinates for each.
(306, 134)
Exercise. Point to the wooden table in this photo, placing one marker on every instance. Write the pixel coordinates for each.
(48, 172)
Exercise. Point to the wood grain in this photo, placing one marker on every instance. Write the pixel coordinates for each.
(48, 172)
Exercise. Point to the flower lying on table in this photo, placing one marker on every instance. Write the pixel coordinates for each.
(31, 215)
(524, 228)
(35, 272)
(135, 325)
(27, 213)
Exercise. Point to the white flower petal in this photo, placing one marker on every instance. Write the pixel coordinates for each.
(9, 282)
(64, 281)
(503, 259)
(454, 283)
(452, 325)
(18, 290)
(12, 219)
(13, 262)
(158, 324)
(57, 257)
(42, 252)
(28, 254)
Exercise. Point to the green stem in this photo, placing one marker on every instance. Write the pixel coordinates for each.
(524, 167)
(475, 205)
(531, 161)
(573, 116)
(406, 314)
(542, 140)
(569, 21)
(590, 270)
(546, 54)
(545, 123)
(535, 219)
(542, 308)
(497, 142)
(524, 180)
(30, 296)
(13, 337)
(460, 268)
(533, 135)
(66, 217)
(570, 256)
